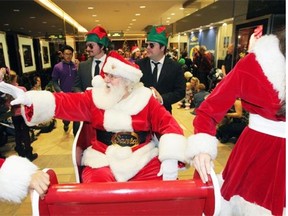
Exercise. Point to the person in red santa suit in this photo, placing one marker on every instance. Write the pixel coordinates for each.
(254, 176)
(125, 116)
(18, 176)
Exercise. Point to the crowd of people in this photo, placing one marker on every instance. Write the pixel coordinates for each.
(128, 101)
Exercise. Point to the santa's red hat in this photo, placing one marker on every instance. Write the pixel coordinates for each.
(119, 66)
(134, 49)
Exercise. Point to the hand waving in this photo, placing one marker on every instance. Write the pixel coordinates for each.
(18, 94)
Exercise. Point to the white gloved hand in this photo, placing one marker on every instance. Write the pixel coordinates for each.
(169, 169)
(18, 94)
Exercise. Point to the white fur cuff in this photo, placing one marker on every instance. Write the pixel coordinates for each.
(172, 146)
(15, 177)
(43, 107)
(201, 143)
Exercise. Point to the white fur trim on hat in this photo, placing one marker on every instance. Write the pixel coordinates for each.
(15, 177)
(272, 62)
(201, 143)
(172, 146)
(135, 49)
(43, 107)
(119, 68)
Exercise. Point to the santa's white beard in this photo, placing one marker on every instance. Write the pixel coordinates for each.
(110, 95)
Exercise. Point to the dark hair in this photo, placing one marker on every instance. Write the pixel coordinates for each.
(67, 47)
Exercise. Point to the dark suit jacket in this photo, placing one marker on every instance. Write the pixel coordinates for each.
(83, 78)
(171, 83)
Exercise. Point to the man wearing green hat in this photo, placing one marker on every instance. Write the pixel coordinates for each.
(97, 42)
(163, 75)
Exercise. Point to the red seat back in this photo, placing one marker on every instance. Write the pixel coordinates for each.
(183, 197)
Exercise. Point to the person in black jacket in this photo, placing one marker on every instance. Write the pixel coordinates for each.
(168, 83)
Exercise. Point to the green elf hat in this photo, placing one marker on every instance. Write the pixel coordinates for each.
(158, 34)
(98, 35)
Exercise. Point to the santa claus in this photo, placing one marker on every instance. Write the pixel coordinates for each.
(254, 176)
(125, 116)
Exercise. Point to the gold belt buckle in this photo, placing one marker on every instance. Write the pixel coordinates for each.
(125, 139)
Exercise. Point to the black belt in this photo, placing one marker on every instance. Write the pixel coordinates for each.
(123, 139)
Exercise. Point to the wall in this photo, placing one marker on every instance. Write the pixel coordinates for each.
(225, 37)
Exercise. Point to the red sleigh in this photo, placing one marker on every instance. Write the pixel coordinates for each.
(180, 197)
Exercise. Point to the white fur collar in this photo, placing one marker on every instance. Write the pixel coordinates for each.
(272, 62)
(119, 118)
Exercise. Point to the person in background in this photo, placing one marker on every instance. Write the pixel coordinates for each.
(204, 66)
(232, 124)
(254, 176)
(199, 97)
(18, 176)
(22, 131)
(163, 75)
(36, 83)
(135, 54)
(124, 115)
(97, 42)
(228, 61)
(63, 78)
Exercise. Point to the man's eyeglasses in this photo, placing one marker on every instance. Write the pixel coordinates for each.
(151, 45)
(91, 46)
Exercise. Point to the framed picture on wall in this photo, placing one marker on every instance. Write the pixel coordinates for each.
(26, 51)
(45, 54)
(4, 59)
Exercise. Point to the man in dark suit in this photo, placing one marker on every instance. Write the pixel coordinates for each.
(97, 42)
(163, 75)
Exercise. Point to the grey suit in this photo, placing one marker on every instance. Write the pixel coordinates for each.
(84, 76)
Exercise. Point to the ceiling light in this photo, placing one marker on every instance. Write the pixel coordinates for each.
(133, 20)
(94, 15)
(60, 13)
(90, 8)
(16, 10)
(142, 6)
(172, 14)
(32, 17)
(138, 14)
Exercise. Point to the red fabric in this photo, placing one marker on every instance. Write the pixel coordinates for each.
(104, 174)
(116, 55)
(256, 167)
(1, 162)
(99, 31)
(160, 29)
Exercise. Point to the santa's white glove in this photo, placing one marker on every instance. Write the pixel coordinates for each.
(169, 169)
(18, 94)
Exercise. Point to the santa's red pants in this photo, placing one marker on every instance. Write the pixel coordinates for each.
(104, 174)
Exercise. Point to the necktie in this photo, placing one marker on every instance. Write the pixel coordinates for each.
(155, 71)
(97, 68)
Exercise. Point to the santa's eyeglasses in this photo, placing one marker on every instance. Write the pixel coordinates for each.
(151, 45)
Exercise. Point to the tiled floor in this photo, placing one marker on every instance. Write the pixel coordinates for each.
(54, 151)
